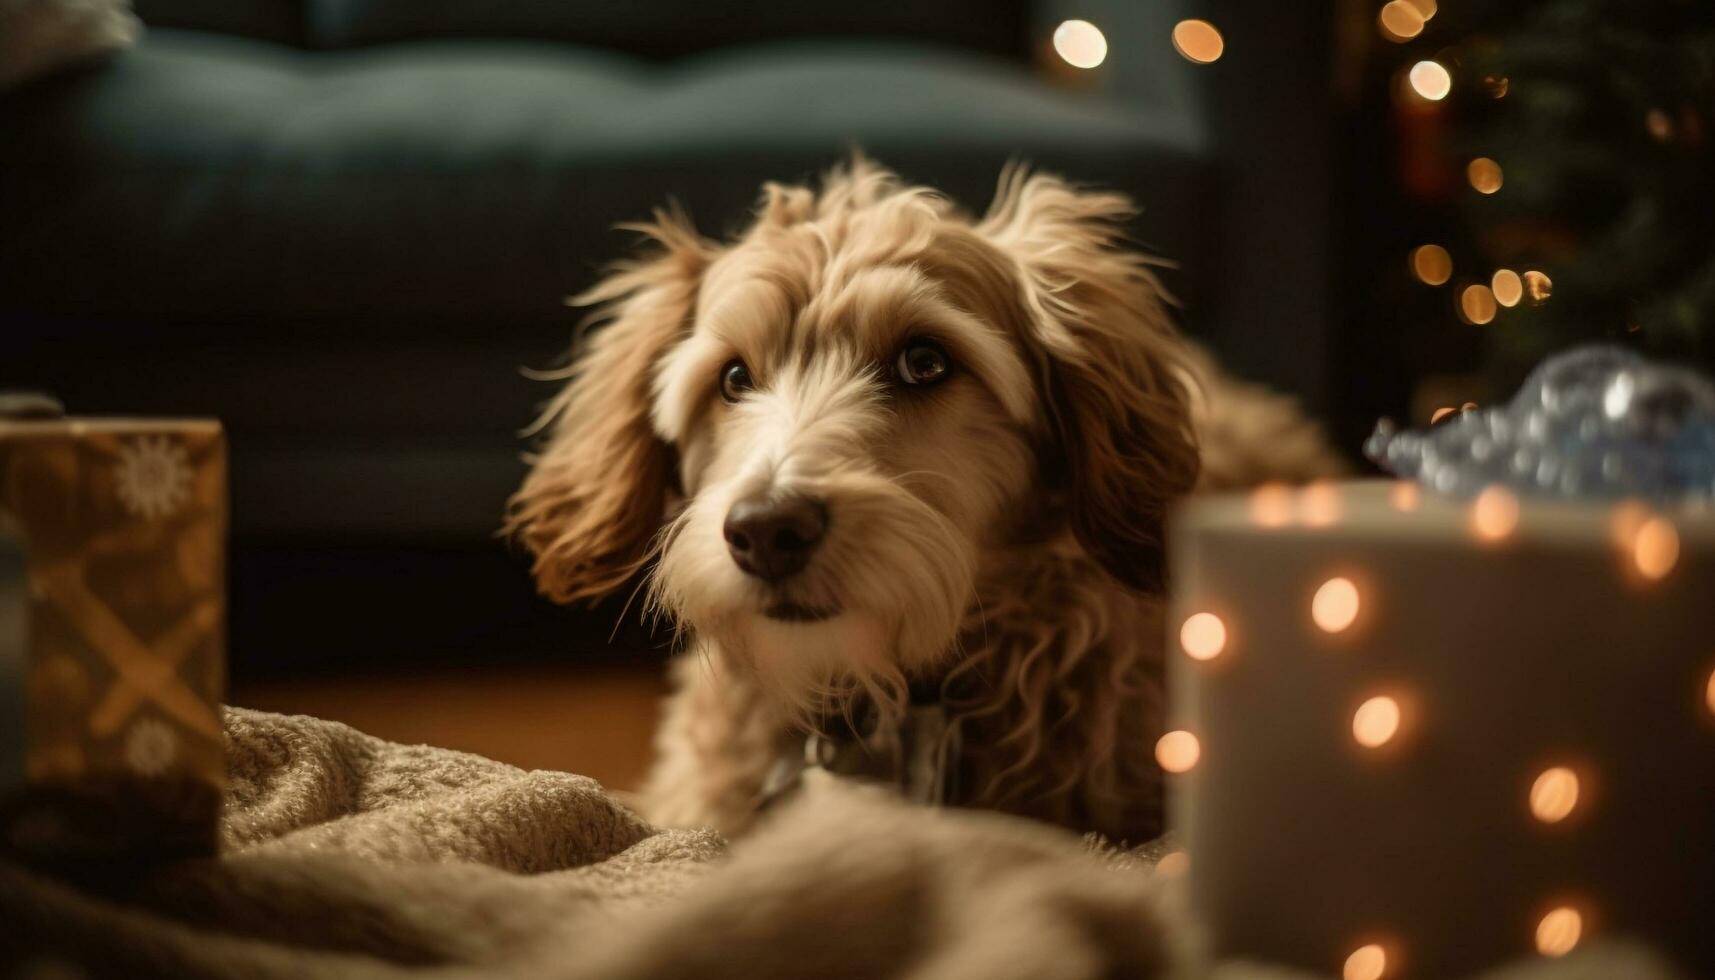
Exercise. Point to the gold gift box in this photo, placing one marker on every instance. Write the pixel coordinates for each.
(114, 643)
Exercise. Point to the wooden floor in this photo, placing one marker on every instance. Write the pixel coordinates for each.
(596, 721)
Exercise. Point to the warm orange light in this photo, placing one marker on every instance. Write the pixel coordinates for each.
(1507, 287)
(1440, 413)
(1554, 794)
(1431, 264)
(1537, 286)
(1197, 40)
(1319, 504)
(1271, 505)
(1709, 693)
(1484, 175)
(1624, 521)
(1476, 304)
(1430, 80)
(1559, 931)
(1203, 636)
(1405, 496)
(1399, 21)
(1656, 548)
(1335, 605)
(1425, 7)
(1080, 43)
(1494, 514)
(1173, 864)
(1496, 86)
(1376, 722)
(1177, 751)
(1366, 963)
(1659, 124)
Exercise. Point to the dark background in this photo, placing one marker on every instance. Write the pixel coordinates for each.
(343, 226)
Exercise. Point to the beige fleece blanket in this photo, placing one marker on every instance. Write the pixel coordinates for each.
(346, 856)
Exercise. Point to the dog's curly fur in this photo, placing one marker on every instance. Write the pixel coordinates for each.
(999, 536)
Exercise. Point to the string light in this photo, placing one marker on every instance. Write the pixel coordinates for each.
(1405, 496)
(1271, 505)
(1335, 605)
(1425, 7)
(1655, 549)
(1080, 44)
(1494, 514)
(1431, 264)
(1319, 504)
(1430, 80)
(1624, 521)
(1496, 86)
(1177, 751)
(1173, 864)
(1709, 693)
(1366, 963)
(1376, 722)
(1440, 413)
(1203, 636)
(1507, 287)
(1400, 21)
(1476, 304)
(1537, 286)
(1659, 125)
(1554, 794)
(1559, 931)
(1198, 41)
(1484, 175)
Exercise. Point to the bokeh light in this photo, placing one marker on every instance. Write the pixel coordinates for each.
(1624, 521)
(1659, 124)
(1709, 693)
(1173, 864)
(1430, 80)
(1425, 7)
(1436, 416)
(1080, 44)
(1494, 514)
(1203, 636)
(1271, 505)
(1431, 264)
(1376, 721)
(1400, 21)
(1198, 41)
(1507, 287)
(1496, 86)
(1405, 496)
(1554, 794)
(1367, 962)
(1319, 504)
(1484, 175)
(1477, 304)
(1335, 605)
(1559, 931)
(1655, 549)
(1537, 286)
(1177, 751)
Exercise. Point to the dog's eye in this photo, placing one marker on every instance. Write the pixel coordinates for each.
(923, 362)
(735, 380)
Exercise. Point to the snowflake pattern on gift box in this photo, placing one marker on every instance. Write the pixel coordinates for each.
(150, 747)
(153, 476)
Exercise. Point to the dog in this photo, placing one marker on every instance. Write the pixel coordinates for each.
(899, 477)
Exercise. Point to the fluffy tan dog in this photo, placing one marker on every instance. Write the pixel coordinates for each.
(900, 477)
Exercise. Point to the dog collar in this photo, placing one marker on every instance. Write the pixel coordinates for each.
(917, 755)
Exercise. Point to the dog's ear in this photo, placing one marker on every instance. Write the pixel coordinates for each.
(596, 493)
(1112, 368)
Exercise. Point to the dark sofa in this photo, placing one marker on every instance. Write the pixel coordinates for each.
(343, 226)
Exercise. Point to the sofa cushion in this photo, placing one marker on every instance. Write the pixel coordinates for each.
(670, 28)
(449, 185)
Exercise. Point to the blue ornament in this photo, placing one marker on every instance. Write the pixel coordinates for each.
(1596, 422)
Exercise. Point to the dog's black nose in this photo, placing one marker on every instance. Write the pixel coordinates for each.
(772, 537)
